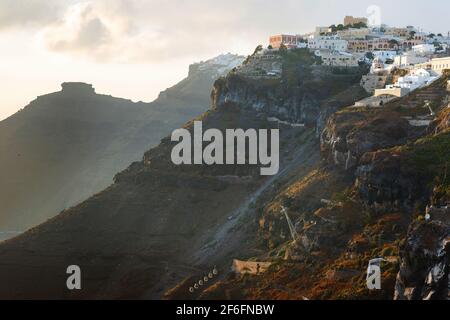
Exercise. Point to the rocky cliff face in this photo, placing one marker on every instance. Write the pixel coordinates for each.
(380, 180)
(302, 93)
(349, 135)
(406, 176)
(266, 96)
(442, 122)
(356, 131)
(195, 90)
(425, 265)
(380, 170)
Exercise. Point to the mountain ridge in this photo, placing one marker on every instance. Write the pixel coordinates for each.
(76, 141)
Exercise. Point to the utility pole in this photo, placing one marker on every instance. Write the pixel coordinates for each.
(428, 105)
(294, 233)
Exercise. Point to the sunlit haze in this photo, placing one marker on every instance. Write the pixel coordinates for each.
(136, 48)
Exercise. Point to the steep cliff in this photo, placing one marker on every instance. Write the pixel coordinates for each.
(425, 266)
(381, 169)
(405, 175)
(303, 93)
(355, 131)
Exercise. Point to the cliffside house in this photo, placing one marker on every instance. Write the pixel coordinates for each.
(336, 58)
(375, 44)
(290, 41)
(410, 42)
(424, 49)
(399, 32)
(377, 66)
(357, 45)
(327, 42)
(384, 55)
(417, 78)
(382, 44)
(354, 33)
(409, 59)
(438, 65)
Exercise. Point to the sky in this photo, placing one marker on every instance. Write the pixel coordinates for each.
(136, 48)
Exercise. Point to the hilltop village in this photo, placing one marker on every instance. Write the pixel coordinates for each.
(399, 59)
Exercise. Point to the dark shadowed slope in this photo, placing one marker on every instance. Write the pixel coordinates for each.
(159, 223)
(65, 146)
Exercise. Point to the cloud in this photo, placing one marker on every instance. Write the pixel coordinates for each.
(29, 13)
(84, 29)
(134, 31)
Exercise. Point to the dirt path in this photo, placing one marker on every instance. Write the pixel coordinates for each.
(230, 236)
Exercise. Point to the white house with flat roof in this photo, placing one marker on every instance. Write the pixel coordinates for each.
(327, 42)
(416, 79)
(384, 55)
(424, 49)
(336, 58)
(409, 59)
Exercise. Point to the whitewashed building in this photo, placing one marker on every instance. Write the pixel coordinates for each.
(437, 65)
(424, 49)
(336, 58)
(409, 59)
(416, 79)
(327, 42)
(384, 55)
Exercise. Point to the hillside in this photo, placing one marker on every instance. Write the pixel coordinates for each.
(66, 146)
(160, 224)
(355, 181)
(380, 174)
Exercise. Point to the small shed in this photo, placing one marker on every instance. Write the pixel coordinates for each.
(250, 267)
